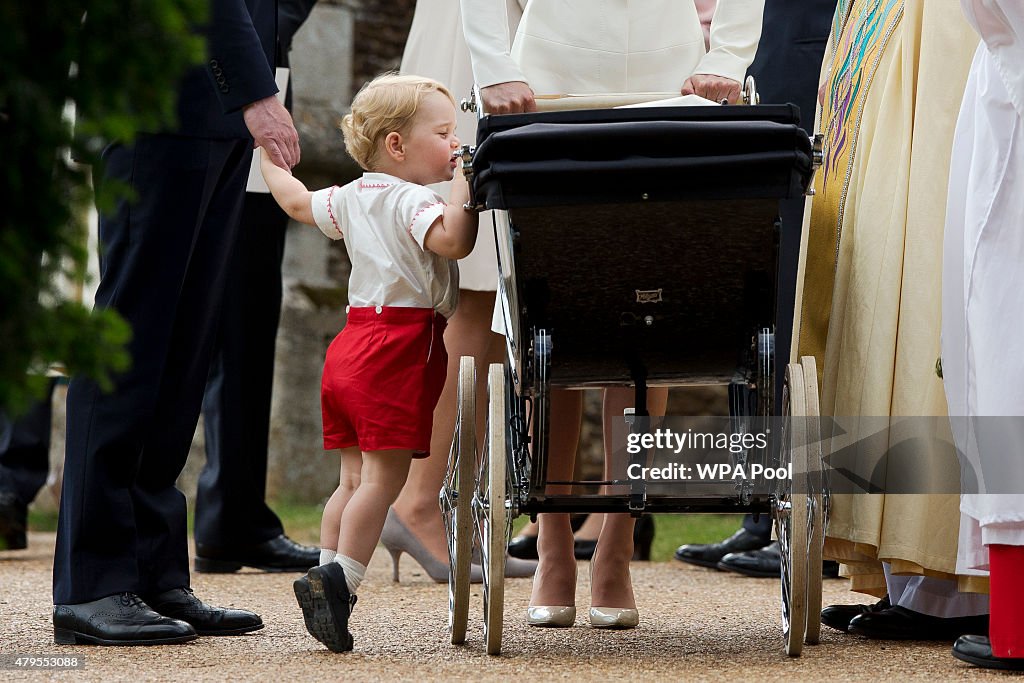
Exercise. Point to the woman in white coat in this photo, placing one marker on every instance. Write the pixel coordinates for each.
(601, 46)
(982, 341)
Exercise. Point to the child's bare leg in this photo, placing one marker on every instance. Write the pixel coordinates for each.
(382, 476)
(330, 523)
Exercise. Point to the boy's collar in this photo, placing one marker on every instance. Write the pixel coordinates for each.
(374, 179)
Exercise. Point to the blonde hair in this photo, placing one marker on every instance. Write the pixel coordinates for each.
(386, 104)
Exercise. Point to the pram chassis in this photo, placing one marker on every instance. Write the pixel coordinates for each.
(508, 479)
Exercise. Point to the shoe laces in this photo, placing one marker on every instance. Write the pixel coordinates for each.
(130, 600)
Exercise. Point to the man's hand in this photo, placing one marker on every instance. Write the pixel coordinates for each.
(711, 87)
(271, 126)
(512, 97)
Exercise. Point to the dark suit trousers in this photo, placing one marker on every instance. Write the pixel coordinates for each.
(25, 449)
(163, 268)
(230, 506)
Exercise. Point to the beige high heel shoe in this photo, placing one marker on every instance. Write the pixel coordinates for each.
(548, 616)
(611, 617)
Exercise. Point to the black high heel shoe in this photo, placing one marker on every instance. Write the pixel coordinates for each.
(643, 537)
(524, 546)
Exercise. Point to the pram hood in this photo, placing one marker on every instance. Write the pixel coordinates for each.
(611, 156)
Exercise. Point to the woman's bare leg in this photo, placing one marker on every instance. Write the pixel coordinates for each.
(612, 586)
(555, 582)
(468, 334)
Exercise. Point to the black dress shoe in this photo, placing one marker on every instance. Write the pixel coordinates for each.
(978, 651)
(709, 555)
(899, 623)
(13, 522)
(763, 563)
(523, 547)
(839, 616)
(182, 604)
(122, 619)
(280, 554)
(326, 605)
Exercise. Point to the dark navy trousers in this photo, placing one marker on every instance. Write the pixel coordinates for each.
(164, 266)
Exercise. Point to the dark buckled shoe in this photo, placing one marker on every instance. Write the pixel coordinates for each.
(709, 555)
(207, 620)
(899, 623)
(13, 522)
(763, 563)
(977, 650)
(280, 554)
(122, 619)
(839, 616)
(326, 605)
(523, 547)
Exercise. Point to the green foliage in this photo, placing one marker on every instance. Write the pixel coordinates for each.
(118, 62)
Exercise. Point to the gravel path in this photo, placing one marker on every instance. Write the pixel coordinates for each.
(696, 624)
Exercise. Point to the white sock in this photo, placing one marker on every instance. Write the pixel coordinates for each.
(354, 572)
(327, 556)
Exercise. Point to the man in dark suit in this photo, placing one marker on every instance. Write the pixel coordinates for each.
(234, 525)
(787, 68)
(121, 565)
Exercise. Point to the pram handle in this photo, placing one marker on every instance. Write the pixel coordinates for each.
(566, 102)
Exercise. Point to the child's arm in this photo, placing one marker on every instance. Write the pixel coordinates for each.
(289, 192)
(453, 234)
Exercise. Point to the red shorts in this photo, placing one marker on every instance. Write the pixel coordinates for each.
(382, 378)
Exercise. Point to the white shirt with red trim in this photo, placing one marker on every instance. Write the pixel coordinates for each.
(384, 221)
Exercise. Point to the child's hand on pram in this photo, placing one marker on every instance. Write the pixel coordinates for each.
(711, 87)
(512, 97)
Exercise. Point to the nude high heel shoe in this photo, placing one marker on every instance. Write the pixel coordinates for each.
(397, 539)
(612, 617)
(550, 617)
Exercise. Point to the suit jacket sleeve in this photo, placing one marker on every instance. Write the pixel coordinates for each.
(237, 63)
(735, 32)
(485, 24)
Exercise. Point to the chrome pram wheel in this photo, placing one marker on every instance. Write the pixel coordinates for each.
(789, 509)
(456, 502)
(815, 502)
(489, 509)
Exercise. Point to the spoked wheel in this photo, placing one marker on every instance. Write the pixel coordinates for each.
(790, 512)
(456, 502)
(815, 504)
(489, 509)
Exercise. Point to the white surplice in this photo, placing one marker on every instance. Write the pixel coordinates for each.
(983, 282)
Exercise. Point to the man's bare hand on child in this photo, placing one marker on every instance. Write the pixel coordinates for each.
(271, 127)
(512, 97)
(711, 87)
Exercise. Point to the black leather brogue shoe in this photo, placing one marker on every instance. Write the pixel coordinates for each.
(977, 650)
(839, 616)
(207, 620)
(763, 563)
(709, 555)
(899, 623)
(122, 619)
(280, 554)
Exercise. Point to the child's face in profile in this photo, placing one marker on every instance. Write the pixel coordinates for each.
(431, 142)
